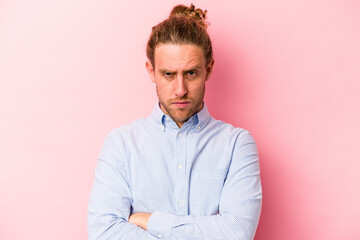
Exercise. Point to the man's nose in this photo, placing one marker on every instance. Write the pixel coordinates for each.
(180, 87)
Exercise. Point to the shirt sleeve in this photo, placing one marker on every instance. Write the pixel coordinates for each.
(239, 207)
(110, 200)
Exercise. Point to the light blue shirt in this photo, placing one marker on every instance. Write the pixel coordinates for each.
(201, 181)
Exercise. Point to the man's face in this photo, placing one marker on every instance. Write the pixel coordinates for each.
(180, 74)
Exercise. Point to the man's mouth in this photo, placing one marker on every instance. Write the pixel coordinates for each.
(181, 104)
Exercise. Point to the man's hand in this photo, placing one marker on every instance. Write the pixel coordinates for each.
(140, 219)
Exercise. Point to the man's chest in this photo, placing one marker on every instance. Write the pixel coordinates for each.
(178, 174)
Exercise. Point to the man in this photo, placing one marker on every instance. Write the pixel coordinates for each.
(178, 174)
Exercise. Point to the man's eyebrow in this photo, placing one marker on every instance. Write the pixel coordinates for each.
(164, 70)
(193, 68)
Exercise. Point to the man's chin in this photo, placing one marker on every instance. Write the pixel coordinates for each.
(179, 114)
(182, 118)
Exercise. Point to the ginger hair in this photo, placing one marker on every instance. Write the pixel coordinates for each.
(185, 25)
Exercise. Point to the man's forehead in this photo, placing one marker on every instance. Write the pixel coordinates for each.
(174, 56)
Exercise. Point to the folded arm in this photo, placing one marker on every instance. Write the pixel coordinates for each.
(239, 207)
(110, 201)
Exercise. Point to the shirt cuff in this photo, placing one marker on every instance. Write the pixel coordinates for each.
(160, 224)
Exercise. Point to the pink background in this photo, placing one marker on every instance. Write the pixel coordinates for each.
(288, 71)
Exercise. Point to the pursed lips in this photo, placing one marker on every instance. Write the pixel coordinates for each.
(181, 104)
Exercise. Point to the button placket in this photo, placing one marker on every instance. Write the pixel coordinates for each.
(181, 180)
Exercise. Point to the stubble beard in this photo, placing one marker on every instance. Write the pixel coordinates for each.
(181, 115)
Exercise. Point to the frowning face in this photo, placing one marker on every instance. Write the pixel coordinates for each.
(180, 74)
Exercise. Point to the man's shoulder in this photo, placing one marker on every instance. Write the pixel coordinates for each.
(226, 128)
(227, 134)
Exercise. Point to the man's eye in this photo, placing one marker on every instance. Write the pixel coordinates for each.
(167, 74)
(191, 73)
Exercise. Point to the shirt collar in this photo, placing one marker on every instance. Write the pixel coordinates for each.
(163, 121)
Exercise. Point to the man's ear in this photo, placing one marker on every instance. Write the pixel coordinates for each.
(209, 69)
(151, 71)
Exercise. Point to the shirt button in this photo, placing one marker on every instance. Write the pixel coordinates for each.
(198, 127)
(179, 166)
(181, 202)
(180, 135)
(159, 235)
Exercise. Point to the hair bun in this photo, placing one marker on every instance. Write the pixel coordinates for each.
(190, 12)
